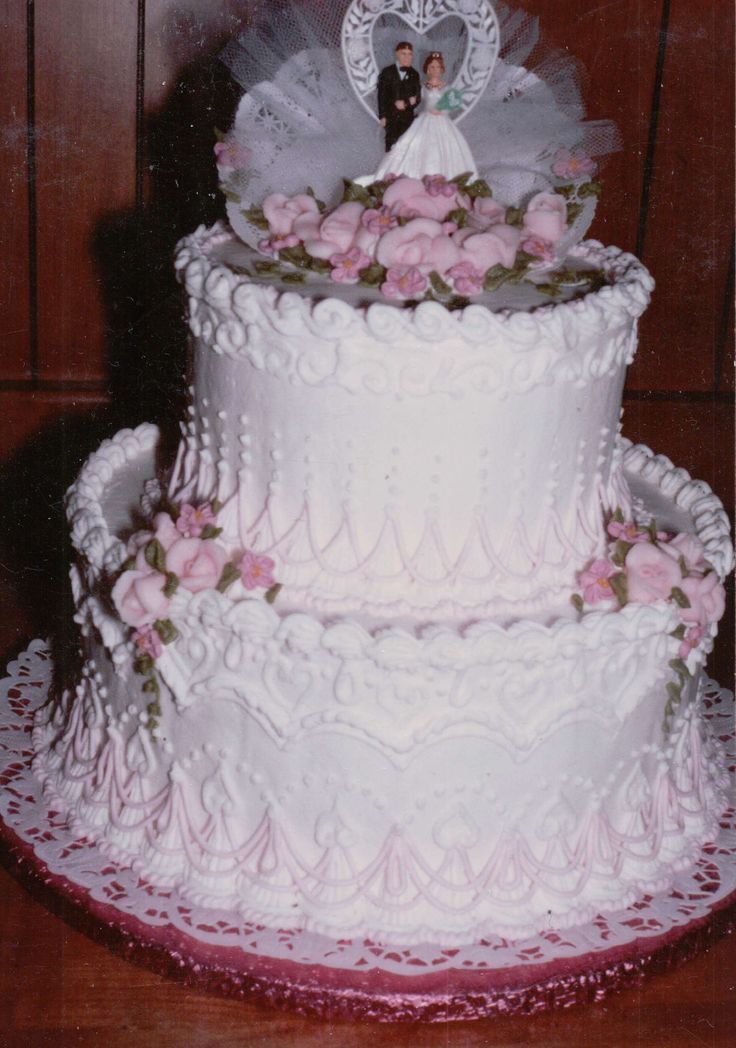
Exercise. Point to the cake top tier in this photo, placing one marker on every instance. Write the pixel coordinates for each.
(302, 167)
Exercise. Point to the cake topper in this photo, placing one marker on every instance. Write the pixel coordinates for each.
(307, 122)
(478, 19)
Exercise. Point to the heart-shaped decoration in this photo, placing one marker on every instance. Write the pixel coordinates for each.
(364, 21)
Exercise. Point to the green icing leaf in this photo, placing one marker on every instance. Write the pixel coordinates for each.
(620, 587)
(479, 188)
(229, 574)
(219, 135)
(679, 597)
(548, 289)
(320, 203)
(590, 189)
(373, 276)
(255, 216)
(172, 584)
(267, 268)
(166, 630)
(209, 531)
(680, 669)
(495, 277)
(271, 594)
(150, 686)
(618, 515)
(573, 211)
(144, 664)
(515, 217)
(679, 633)
(577, 602)
(296, 256)
(155, 556)
(355, 192)
(216, 506)
(293, 278)
(459, 216)
(620, 550)
(233, 198)
(438, 284)
(127, 565)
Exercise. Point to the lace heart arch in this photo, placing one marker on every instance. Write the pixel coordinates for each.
(420, 17)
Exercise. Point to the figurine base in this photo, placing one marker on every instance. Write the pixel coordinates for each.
(214, 951)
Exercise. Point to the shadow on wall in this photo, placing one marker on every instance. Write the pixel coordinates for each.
(146, 352)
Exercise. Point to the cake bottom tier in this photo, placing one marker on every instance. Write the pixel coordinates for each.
(429, 785)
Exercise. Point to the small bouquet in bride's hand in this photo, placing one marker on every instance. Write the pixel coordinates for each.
(451, 100)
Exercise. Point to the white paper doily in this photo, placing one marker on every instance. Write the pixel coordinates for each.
(353, 977)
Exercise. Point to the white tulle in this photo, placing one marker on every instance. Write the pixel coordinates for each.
(433, 145)
(302, 124)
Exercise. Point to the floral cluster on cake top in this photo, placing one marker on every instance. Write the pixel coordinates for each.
(433, 237)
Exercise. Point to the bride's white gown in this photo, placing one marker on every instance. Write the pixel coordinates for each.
(432, 145)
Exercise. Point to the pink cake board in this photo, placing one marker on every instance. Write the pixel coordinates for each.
(216, 951)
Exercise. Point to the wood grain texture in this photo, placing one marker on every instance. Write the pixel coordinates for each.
(616, 45)
(689, 225)
(85, 115)
(15, 341)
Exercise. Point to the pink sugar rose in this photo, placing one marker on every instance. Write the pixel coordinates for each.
(379, 220)
(627, 531)
(408, 198)
(594, 581)
(539, 248)
(197, 563)
(486, 212)
(691, 640)
(421, 243)
(689, 547)
(337, 231)
(347, 267)
(192, 520)
(139, 598)
(281, 211)
(497, 245)
(707, 599)
(466, 279)
(148, 641)
(256, 571)
(437, 185)
(574, 164)
(231, 155)
(651, 574)
(546, 217)
(404, 283)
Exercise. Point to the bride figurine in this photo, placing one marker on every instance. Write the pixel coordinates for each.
(432, 145)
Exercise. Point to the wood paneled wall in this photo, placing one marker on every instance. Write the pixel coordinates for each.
(107, 111)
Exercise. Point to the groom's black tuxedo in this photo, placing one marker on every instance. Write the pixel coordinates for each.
(392, 87)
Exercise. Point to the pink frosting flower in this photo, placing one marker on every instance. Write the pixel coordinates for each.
(139, 598)
(421, 243)
(192, 520)
(594, 581)
(231, 154)
(627, 531)
(707, 599)
(197, 563)
(281, 211)
(546, 217)
(486, 212)
(574, 164)
(404, 283)
(148, 641)
(379, 220)
(691, 640)
(689, 547)
(437, 185)
(347, 266)
(336, 232)
(651, 574)
(497, 245)
(256, 571)
(409, 198)
(466, 279)
(541, 249)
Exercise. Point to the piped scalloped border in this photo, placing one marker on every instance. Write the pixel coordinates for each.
(428, 322)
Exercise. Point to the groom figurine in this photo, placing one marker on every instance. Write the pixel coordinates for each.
(399, 93)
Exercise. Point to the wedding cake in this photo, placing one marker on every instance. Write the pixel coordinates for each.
(410, 643)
